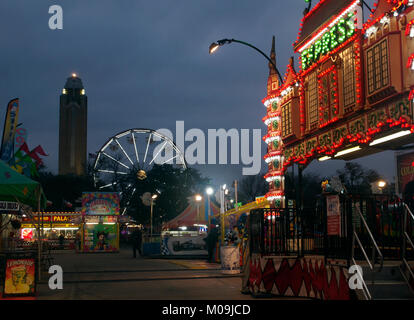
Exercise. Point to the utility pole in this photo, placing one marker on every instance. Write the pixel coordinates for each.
(235, 191)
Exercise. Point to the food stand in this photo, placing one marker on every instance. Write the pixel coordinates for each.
(100, 227)
(54, 224)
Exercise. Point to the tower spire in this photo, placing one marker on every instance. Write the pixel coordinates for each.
(273, 57)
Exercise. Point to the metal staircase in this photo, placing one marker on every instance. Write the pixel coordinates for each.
(392, 280)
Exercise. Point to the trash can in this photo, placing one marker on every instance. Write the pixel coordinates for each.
(230, 259)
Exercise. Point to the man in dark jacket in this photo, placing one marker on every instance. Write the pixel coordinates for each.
(211, 241)
(136, 242)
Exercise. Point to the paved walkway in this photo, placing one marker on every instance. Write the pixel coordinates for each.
(119, 276)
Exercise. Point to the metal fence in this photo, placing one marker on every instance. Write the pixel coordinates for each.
(287, 232)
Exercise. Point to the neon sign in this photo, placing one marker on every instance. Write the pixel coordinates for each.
(330, 40)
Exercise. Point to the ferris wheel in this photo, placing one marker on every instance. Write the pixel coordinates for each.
(125, 159)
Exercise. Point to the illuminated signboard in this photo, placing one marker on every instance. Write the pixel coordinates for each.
(100, 203)
(329, 41)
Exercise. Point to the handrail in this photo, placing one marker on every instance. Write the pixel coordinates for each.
(373, 241)
(407, 238)
(355, 237)
(365, 289)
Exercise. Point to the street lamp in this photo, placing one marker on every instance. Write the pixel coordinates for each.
(216, 45)
(153, 197)
(209, 192)
(381, 185)
(198, 198)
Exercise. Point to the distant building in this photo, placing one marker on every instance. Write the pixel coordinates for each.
(73, 127)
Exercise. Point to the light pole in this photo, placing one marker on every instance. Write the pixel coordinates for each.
(153, 197)
(198, 198)
(209, 192)
(215, 45)
(223, 191)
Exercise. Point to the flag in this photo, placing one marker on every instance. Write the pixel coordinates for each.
(28, 162)
(9, 131)
(67, 204)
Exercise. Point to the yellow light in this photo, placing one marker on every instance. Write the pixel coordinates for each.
(64, 91)
(381, 184)
(154, 196)
(74, 75)
(324, 158)
(346, 151)
(213, 48)
(390, 137)
(198, 197)
(83, 92)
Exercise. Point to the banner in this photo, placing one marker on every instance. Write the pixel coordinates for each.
(100, 203)
(333, 215)
(405, 167)
(19, 279)
(9, 131)
(20, 138)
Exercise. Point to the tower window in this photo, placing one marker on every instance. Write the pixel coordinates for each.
(286, 120)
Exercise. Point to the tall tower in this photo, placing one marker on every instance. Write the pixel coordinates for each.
(73, 127)
(274, 156)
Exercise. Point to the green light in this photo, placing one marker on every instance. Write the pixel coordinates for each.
(329, 41)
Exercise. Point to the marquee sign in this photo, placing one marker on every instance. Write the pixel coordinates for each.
(51, 218)
(329, 41)
(100, 203)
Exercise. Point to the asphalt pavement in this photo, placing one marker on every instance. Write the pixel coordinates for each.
(120, 276)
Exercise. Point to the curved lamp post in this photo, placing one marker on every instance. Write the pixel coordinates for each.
(153, 197)
(209, 192)
(215, 45)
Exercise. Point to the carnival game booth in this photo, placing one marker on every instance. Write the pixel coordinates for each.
(184, 234)
(18, 267)
(17, 194)
(100, 227)
(52, 225)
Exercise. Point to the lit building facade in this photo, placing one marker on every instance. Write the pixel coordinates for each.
(73, 127)
(353, 95)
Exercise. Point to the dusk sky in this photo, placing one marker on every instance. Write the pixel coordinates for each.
(145, 64)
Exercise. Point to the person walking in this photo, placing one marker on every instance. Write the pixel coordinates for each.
(78, 241)
(61, 241)
(136, 242)
(211, 241)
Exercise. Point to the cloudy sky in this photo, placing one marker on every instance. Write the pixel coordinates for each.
(146, 64)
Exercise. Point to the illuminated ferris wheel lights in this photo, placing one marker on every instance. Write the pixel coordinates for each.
(112, 158)
(110, 171)
(108, 185)
(124, 151)
(163, 146)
